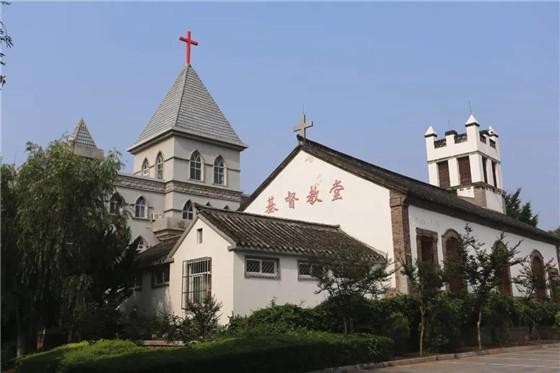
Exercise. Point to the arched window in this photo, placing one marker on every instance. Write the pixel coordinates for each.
(538, 276)
(159, 166)
(115, 204)
(140, 208)
(196, 166)
(219, 171)
(453, 260)
(504, 273)
(141, 244)
(188, 211)
(145, 168)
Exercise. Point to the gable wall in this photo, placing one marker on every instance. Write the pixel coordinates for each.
(363, 212)
(215, 247)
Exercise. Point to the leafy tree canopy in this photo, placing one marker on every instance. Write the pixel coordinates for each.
(519, 211)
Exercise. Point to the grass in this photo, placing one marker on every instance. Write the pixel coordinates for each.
(278, 353)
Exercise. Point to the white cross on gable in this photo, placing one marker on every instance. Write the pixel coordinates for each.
(303, 125)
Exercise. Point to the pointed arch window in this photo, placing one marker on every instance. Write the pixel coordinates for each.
(188, 211)
(538, 274)
(115, 204)
(140, 208)
(141, 244)
(145, 168)
(159, 166)
(219, 171)
(196, 166)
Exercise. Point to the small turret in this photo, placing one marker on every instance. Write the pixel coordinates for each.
(468, 163)
(82, 142)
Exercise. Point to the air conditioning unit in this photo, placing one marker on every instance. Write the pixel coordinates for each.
(156, 216)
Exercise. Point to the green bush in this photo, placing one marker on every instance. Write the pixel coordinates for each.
(274, 319)
(398, 329)
(292, 352)
(445, 318)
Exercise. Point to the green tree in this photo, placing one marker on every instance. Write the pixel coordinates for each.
(426, 281)
(71, 250)
(519, 211)
(348, 279)
(483, 270)
(5, 40)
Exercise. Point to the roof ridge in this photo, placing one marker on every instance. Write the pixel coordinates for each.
(182, 95)
(314, 143)
(243, 213)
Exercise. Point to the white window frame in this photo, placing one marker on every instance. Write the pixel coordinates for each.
(220, 168)
(203, 268)
(260, 274)
(145, 170)
(201, 163)
(188, 210)
(138, 206)
(307, 277)
(159, 166)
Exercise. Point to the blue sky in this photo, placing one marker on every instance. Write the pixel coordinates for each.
(372, 76)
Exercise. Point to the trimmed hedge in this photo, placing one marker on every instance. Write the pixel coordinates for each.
(299, 352)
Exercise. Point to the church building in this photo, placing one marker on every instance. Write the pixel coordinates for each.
(199, 236)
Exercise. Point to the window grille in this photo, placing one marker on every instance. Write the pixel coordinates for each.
(261, 267)
(140, 208)
(308, 270)
(188, 211)
(197, 281)
(159, 166)
(145, 168)
(219, 171)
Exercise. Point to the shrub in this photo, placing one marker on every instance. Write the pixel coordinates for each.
(443, 333)
(274, 319)
(292, 352)
(499, 316)
(397, 328)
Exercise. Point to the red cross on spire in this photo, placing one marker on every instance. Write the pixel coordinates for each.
(187, 39)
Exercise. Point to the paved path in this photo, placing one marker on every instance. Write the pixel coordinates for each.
(536, 360)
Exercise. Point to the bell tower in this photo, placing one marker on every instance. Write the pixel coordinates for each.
(467, 163)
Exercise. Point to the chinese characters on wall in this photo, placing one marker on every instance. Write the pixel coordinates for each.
(313, 197)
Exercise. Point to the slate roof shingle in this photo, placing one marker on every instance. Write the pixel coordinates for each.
(156, 254)
(266, 234)
(82, 136)
(418, 193)
(189, 108)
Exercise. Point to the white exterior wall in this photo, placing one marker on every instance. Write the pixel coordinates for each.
(436, 222)
(215, 247)
(253, 293)
(148, 300)
(364, 212)
(184, 147)
(142, 226)
(166, 147)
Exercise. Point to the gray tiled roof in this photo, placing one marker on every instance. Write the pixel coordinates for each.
(156, 254)
(81, 135)
(268, 234)
(418, 193)
(188, 107)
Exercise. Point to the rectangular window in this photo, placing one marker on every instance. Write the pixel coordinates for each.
(261, 267)
(160, 276)
(427, 249)
(197, 281)
(464, 170)
(199, 235)
(494, 174)
(484, 175)
(443, 172)
(308, 270)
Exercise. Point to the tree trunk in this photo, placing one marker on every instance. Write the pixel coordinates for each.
(478, 329)
(345, 325)
(422, 322)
